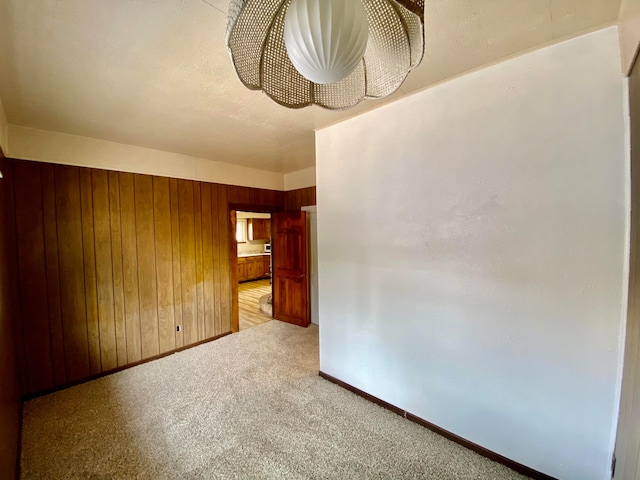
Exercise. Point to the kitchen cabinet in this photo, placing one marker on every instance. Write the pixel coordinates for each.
(252, 271)
(242, 269)
(259, 229)
(253, 267)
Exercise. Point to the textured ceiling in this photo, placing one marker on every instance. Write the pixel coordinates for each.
(156, 73)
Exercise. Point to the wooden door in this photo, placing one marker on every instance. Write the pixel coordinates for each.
(291, 280)
(627, 465)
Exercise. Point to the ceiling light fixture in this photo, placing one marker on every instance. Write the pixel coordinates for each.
(332, 53)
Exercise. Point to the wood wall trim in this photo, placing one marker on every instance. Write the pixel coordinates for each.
(302, 197)
(496, 457)
(10, 336)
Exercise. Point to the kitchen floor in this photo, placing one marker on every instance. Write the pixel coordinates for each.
(249, 294)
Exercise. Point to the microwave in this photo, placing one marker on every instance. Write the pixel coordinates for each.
(267, 248)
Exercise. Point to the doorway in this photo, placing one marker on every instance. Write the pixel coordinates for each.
(288, 267)
(255, 295)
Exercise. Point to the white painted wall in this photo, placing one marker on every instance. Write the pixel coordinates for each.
(300, 179)
(33, 144)
(483, 290)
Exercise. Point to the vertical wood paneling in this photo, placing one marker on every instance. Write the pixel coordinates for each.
(108, 264)
(145, 237)
(188, 262)
(304, 196)
(12, 264)
(10, 405)
(272, 198)
(290, 201)
(217, 278)
(253, 196)
(243, 195)
(296, 199)
(207, 262)
(177, 261)
(53, 275)
(233, 193)
(32, 276)
(164, 263)
(71, 261)
(104, 269)
(224, 229)
(120, 319)
(299, 199)
(91, 293)
(197, 213)
(130, 267)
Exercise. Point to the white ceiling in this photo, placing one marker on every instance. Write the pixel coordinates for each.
(156, 73)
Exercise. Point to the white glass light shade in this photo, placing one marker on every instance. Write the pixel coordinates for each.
(326, 39)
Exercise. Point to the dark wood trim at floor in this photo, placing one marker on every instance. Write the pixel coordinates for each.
(119, 369)
(496, 457)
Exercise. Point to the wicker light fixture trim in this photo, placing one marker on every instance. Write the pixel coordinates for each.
(255, 39)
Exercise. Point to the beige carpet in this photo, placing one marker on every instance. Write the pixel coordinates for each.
(250, 405)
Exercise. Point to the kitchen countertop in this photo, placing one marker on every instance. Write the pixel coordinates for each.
(240, 255)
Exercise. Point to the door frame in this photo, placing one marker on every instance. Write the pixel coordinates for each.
(233, 253)
(312, 260)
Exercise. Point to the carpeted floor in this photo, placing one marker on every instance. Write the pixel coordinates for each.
(250, 405)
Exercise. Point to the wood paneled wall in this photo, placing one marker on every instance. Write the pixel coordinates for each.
(303, 197)
(110, 263)
(9, 385)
